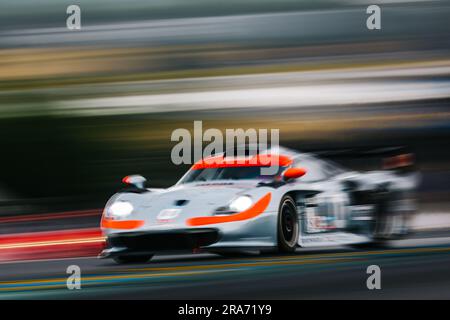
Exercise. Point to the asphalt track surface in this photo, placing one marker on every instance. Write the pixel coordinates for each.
(416, 268)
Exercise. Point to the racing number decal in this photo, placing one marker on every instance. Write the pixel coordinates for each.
(325, 212)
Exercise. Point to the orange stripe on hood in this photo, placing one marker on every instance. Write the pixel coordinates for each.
(251, 212)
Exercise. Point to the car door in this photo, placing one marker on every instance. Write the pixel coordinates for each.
(327, 210)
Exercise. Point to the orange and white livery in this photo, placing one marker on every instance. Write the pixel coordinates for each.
(224, 204)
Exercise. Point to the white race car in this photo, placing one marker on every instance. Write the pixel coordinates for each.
(225, 205)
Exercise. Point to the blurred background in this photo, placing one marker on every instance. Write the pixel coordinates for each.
(81, 109)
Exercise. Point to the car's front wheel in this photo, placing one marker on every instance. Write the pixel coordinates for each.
(132, 259)
(288, 225)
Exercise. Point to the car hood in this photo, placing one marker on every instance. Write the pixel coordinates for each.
(189, 200)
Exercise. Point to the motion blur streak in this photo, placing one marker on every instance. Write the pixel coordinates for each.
(54, 244)
(79, 110)
(51, 216)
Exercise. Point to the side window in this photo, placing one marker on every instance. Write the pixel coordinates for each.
(331, 169)
(314, 169)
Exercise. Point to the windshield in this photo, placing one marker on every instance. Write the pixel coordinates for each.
(228, 173)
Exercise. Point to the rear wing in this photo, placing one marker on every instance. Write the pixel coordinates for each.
(390, 157)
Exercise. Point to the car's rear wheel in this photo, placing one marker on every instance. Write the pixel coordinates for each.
(390, 221)
(288, 225)
(132, 259)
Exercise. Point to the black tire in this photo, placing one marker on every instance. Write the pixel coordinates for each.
(288, 226)
(132, 259)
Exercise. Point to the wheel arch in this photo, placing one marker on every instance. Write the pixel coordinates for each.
(298, 195)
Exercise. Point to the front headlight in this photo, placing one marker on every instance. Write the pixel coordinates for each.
(120, 209)
(241, 203)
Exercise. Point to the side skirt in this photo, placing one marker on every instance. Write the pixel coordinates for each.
(331, 239)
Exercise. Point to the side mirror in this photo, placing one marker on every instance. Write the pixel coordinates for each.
(135, 180)
(293, 173)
